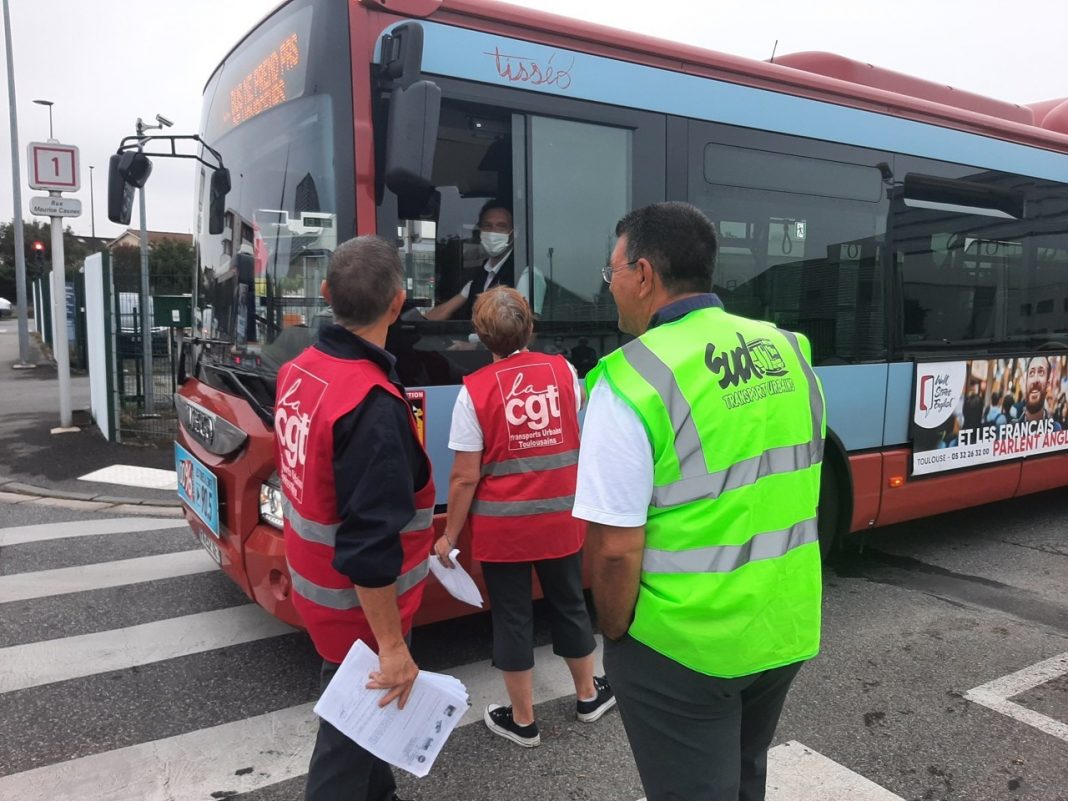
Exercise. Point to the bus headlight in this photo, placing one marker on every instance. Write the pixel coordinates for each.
(271, 502)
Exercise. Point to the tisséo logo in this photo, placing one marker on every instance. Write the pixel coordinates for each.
(531, 398)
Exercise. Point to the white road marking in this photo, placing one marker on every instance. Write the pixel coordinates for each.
(38, 663)
(186, 767)
(797, 773)
(132, 476)
(995, 695)
(43, 583)
(277, 746)
(90, 527)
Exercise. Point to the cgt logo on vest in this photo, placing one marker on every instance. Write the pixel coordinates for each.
(756, 359)
(531, 406)
(291, 427)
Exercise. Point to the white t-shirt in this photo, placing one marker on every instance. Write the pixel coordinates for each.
(615, 470)
(466, 433)
(522, 283)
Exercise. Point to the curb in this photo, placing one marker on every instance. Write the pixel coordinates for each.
(90, 499)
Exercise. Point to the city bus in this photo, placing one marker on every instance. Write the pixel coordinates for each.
(915, 233)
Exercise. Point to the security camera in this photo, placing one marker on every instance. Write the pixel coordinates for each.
(163, 121)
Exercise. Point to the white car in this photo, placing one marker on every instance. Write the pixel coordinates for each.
(5, 307)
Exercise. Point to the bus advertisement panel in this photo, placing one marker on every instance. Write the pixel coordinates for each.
(973, 413)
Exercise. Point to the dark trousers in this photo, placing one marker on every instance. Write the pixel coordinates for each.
(510, 586)
(342, 771)
(695, 737)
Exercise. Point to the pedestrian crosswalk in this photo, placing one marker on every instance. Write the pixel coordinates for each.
(217, 703)
(83, 578)
(49, 661)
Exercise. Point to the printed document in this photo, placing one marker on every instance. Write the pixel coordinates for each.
(457, 581)
(410, 738)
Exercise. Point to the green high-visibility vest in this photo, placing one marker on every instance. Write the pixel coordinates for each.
(730, 580)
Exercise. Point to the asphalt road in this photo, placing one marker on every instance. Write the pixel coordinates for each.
(170, 686)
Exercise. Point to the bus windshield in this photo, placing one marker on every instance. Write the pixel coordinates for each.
(257, 295)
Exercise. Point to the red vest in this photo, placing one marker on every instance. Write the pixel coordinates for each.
(314, 391)
(528, 412)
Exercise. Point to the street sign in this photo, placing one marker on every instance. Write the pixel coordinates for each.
(55, 206)
(53, 166)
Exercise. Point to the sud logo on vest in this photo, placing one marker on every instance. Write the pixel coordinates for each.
(757, 360)
(531, 400)
(292, 422)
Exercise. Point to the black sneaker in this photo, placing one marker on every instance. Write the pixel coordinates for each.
(500, 721)
(589, 711)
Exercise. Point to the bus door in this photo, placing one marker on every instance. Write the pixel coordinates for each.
(569, 171)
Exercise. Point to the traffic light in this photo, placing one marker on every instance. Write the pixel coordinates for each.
(38, 252)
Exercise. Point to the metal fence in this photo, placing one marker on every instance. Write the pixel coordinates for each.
(136, 419)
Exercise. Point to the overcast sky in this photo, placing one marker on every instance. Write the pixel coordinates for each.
(104, 63)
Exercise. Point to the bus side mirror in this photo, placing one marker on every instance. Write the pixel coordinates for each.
(414, 112)
(220, 185)
(120, 193)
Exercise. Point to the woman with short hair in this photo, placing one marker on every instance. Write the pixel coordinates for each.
(515, 435)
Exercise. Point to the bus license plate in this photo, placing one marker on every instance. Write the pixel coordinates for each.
(209, 545)
(198, 488)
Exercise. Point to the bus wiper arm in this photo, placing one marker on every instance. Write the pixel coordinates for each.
(265, 414)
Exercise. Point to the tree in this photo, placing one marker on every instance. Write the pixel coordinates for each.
(170, 267)
(74, 252)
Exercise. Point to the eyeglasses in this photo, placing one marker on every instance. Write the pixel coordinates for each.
(608, 269)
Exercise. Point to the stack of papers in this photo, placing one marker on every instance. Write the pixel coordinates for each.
(456, 580)
(409, 738)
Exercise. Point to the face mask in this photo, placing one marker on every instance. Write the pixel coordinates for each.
(493, 243)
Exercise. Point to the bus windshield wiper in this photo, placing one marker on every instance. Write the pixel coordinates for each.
(233, 379)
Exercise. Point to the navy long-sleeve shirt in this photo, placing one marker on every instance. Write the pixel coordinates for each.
(378, 467)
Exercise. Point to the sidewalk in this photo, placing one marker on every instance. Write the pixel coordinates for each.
(35, 463)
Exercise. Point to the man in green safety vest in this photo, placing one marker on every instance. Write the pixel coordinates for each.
(699, 474)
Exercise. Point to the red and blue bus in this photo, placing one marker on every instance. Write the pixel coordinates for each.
(916, 234)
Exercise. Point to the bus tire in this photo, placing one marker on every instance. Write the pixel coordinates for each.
(830, 517)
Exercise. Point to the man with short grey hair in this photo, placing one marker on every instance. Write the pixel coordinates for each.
(355, 478)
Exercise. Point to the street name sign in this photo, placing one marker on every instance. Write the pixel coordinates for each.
(53, 166)
(55, 206)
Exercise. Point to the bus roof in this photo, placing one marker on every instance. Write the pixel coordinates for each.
(822, 76)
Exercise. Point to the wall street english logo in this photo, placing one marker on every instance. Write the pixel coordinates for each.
(939, 388)
(753, 360)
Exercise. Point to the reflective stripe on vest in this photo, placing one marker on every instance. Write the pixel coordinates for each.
(346, 597)
(697, 483)
(531, 464)
(521, 508)
(326, 533)
(688, 447)
(725, 558)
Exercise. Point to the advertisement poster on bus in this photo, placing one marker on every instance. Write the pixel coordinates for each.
(973, 413)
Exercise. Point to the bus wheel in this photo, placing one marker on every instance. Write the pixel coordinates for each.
(829, 517)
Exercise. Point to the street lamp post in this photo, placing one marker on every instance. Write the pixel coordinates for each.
(49, 104)
(92, 208)
(16, 194)
(146, 321)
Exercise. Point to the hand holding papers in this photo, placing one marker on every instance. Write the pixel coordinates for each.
(456, 580)
(410, 738)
